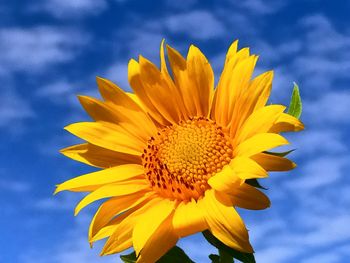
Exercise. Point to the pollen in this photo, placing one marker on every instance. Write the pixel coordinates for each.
(181, 158)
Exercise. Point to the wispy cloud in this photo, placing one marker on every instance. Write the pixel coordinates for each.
(118, 73)
(180, 4)
(325, 57)
(279, 253)
(64, 9)
(8, 185)
(323, 258)
(259, 6)
(14, 109)
(196, 24)
(73, 248)
(58, 202)
(331, 108)
(319, 141)
(35, 49)
(320, 172)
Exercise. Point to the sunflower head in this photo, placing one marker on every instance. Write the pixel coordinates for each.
(176, 156)
(181, 158)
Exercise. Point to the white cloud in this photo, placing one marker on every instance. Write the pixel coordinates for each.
(327, 257)
(58, 88)
(321, 171)
(118, 73)
(197, 248)
(196, 24)
(325, 56)
(35, 49)
(315, 142)
(58, 202)
(13, 186)
(331, 108)
(260, 6)
(276, 253)
(180, 4)
(74, 248)
(61, 92)
(145, 41)
(326, 230)
(14, 109)
(70, 8)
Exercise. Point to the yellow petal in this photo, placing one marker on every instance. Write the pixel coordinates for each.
(233, 82)
(259, 143)
(188, 219)
(178, 66)
(115, 228)
(261, 89)
(103, 233)
(194, 79)
(110, 190)
(126, 105)
(128, 119)
(273, 163)
(225, 180)
(259, 121)
(163, 66)
(161, 92)
(99, 157)
(136, 100)
(252, 99)
(201, 81)
(107, 135)
(115, 174)
(119, 231)
(287, 123)
(125, 224)
(150, 221)
(246, 168)
(159, 243)
(248, 197)
(114, 207)
(113, 94)
(231, 52)
(97, 109)
(225, 223)
(136, 82)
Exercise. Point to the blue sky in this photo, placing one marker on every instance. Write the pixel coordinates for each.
(53, 49)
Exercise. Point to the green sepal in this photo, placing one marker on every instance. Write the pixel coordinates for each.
(174, 255)
(214, 258)
(280, 154)
(129, 258)
(295, 106)
(243, 257)
(254, 182)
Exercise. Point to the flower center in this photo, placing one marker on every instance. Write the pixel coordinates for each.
(179, 161)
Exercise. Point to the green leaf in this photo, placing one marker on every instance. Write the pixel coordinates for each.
(225, 257)
(254, 182)
(129, 258)
(280, 154)
(295, 106)
(214, 258)
(174, 255)
(243, 257)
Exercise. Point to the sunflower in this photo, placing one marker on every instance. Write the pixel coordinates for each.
(176, 154)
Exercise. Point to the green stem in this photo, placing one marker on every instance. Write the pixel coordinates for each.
(225, 257)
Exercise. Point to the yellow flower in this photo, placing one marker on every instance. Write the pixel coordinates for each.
(175, 155)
